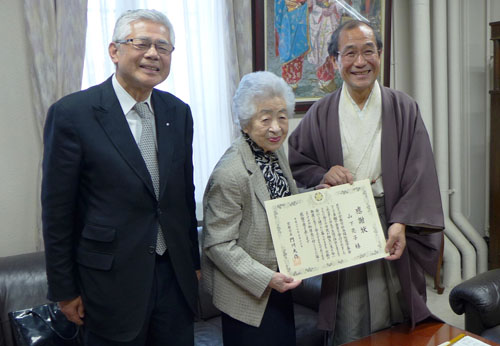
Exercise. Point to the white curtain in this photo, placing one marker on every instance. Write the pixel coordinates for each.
(204, 71)
(238, 39)
(56, 33)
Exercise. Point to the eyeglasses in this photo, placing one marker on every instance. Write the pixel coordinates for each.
(351, 55)
(144, 44)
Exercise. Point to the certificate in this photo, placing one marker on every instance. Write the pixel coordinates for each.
(325, 230)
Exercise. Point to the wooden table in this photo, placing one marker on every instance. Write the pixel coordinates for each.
(425, 334)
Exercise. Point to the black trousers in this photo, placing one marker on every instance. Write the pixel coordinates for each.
(277, 327)
(169, 320)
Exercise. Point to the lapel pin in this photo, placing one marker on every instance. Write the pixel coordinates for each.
(168, 124)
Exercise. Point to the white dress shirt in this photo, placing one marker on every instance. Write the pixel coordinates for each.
(127, 103)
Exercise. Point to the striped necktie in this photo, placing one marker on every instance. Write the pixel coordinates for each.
(148, 150)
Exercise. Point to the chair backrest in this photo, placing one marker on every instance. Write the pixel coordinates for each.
(479, 299)
(23, 284)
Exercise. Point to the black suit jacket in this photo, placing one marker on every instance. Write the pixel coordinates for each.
(99, 209)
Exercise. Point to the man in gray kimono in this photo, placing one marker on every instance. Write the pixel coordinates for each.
(366, 131)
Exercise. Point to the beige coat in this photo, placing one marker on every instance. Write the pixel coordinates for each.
(238, 258)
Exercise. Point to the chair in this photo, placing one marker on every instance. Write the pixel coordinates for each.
(479, 299)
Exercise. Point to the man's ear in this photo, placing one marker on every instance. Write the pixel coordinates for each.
(334, 62)
(113, 52)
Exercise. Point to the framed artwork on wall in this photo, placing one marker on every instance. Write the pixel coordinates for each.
(290, 39)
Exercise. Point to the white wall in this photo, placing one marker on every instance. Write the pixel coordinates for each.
(494, 10)
(475, 113)
(401, 57)
(19, 138)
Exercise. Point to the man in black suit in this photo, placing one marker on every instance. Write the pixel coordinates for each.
(117, 189)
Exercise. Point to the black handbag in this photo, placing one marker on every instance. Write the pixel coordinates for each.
(43, 325)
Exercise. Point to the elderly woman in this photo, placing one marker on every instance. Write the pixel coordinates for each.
(239, 264)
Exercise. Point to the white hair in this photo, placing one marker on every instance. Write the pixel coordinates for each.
(255, 87)
(123, 28)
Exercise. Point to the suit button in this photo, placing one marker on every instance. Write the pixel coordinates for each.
(151, 250)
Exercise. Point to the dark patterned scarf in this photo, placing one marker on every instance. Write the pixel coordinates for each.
(270, 167)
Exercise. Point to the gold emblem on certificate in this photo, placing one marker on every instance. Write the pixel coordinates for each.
(325, 230)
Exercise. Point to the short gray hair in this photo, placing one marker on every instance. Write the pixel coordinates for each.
(255, 87)
(123, 28)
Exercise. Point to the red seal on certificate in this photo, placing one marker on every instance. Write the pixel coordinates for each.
(296, 260)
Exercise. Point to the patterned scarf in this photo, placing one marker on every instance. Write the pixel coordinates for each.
(270, 167)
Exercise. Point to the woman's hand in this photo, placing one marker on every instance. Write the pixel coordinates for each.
(322, 186)
(282, 283)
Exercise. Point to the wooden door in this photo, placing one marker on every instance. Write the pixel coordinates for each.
(494, 248)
